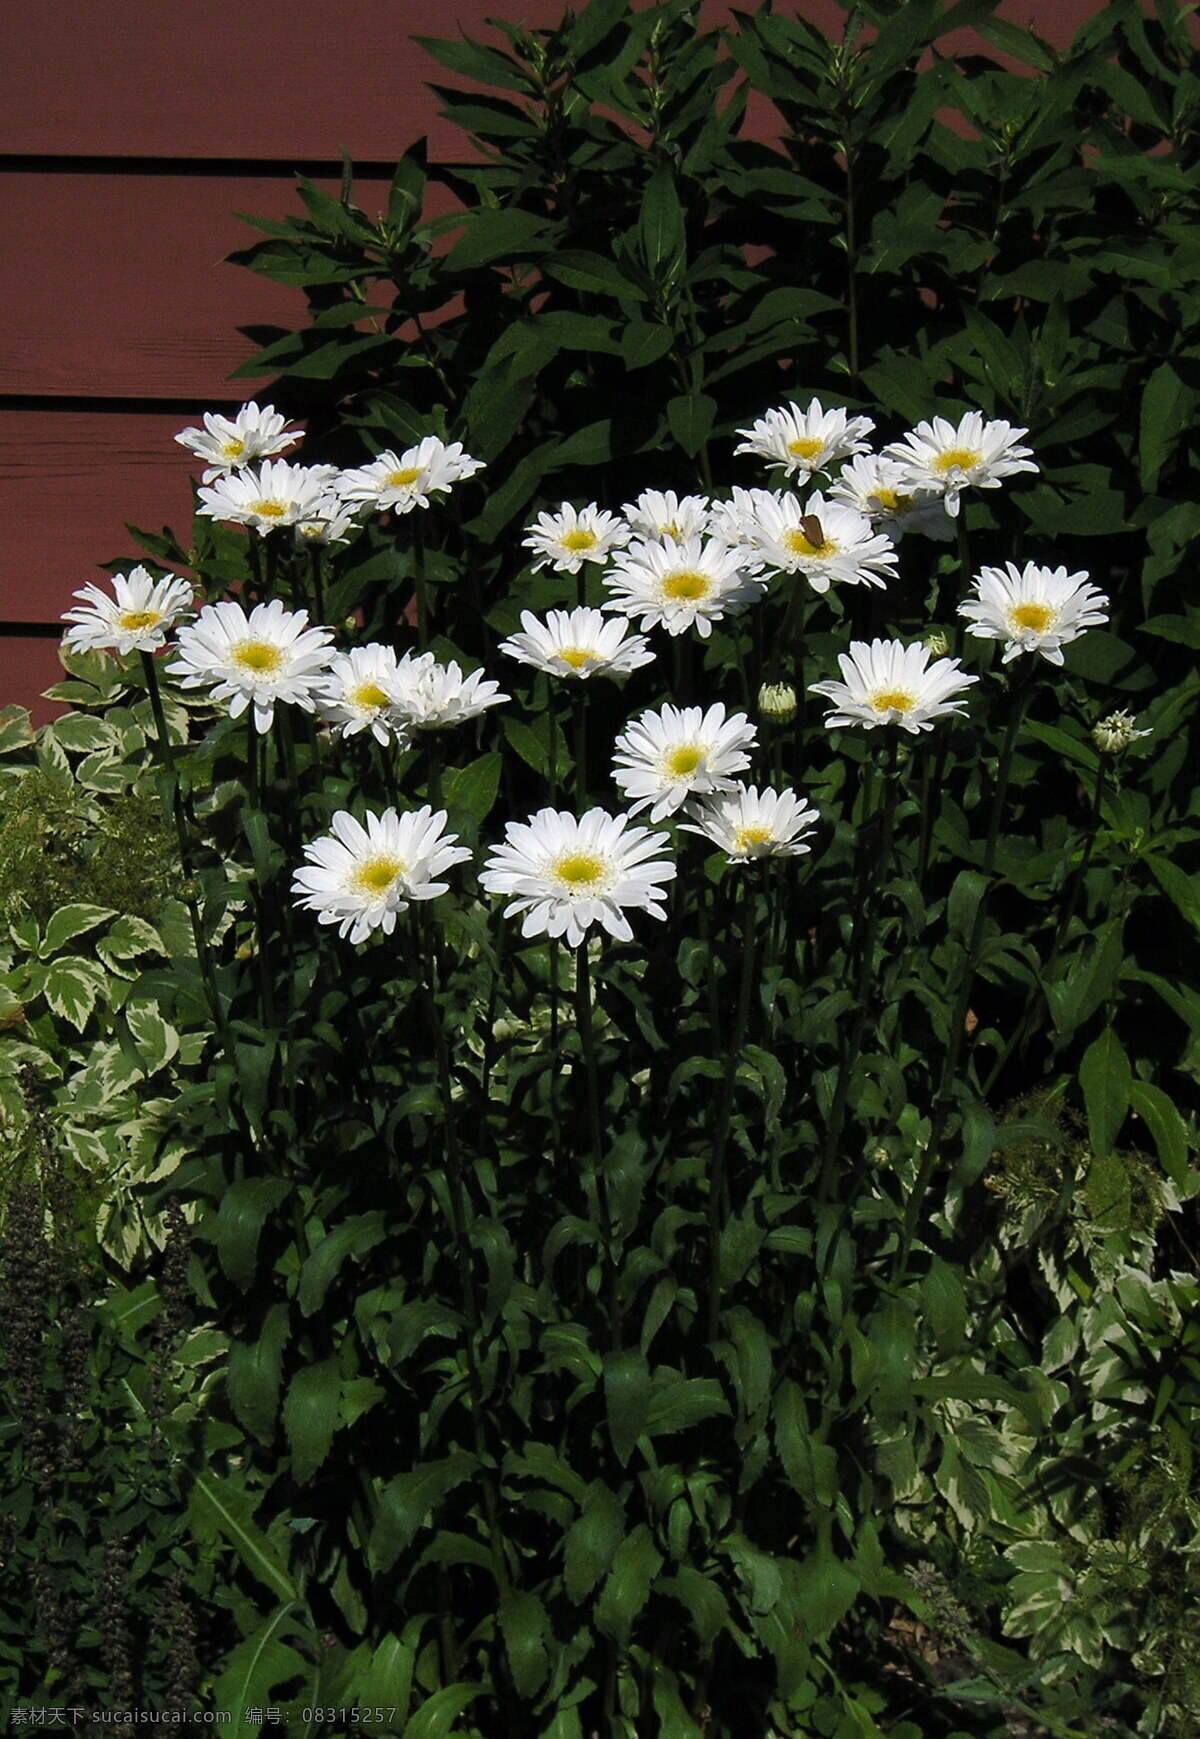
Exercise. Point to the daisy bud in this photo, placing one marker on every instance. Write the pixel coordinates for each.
(937, 642)
(1115, 733)
(777, 702)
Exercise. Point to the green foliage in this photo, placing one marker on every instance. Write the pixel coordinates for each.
(846, 1381)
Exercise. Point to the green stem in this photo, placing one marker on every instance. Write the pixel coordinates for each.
(931, 790)
(966, 976)
(457, 1194)
(318, 585)
(595, 1139)
(418, 551)
(579, 711)
(166, 751)
(716, 1171)
(869, 908)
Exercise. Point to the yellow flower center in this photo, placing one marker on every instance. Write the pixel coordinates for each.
(257, 655)
(682, 762)
(687, 585)
(961, 457)
(133, 621)
(746, 838)
(576, 656)
(369, 694)
(672, 530)
(580, 870)
(579, 540)
(806, 446)
(1039, 617)
(269, 509)
(375, 875)
(404, 479)
(891, 500)
(232, 449)
(886, 700)
(800, 545)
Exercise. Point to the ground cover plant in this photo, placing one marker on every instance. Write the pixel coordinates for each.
(649, 873)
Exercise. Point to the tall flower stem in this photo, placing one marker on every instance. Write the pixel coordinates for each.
(166, 751)
(553, 944)
(318, 584)
(931, 791)
(466, 1279)
(579, 720)
(966, 975)
(419, 586)
(716, 1170)
(868, 910)
(587, 1044)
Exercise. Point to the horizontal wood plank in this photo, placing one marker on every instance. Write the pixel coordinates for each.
(68, 483)
(281, 79)
(27, 668)
(120, 289)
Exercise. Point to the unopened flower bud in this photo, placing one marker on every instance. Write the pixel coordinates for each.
(777, 702)
(350, 624)
(938, 643)
(1115, 733)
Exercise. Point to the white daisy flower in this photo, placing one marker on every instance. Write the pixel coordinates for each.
(736, 521)
(274, 495)
(137, 618)
(801, 442)
(823, 540)
(887, 683)
(566, 874)
(681, 585)
(666, 757)
(406, 480)
(748, 823)
(878, 486)
(361, 691)
(360, 878)
(225, 444)
(578, 643)
(330, 523)
(655, 514)
(433, 697)
(570, 537)
(1033, 609)
(948, 457)
(271, 655)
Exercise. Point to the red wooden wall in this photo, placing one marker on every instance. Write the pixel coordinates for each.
(130, 133)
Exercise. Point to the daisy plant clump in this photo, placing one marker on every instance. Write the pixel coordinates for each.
(619, 1053)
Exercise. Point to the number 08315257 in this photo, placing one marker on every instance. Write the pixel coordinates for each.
(352, 1715)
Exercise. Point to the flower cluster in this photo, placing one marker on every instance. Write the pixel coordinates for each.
(665, 561)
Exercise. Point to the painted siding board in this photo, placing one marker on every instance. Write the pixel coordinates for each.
(69, 480)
